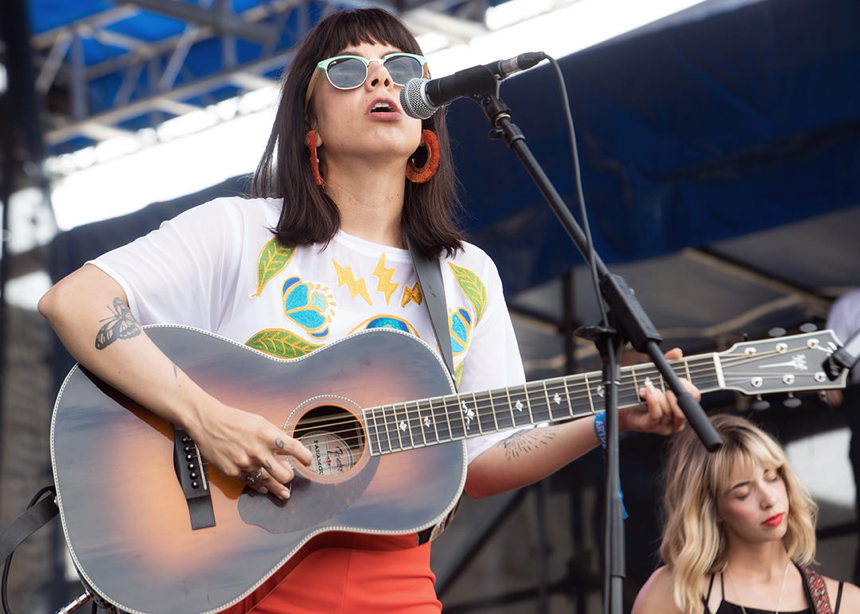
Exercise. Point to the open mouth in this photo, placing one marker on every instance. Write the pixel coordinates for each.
(382, 107)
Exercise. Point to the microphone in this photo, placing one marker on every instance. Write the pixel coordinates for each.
(421, 98)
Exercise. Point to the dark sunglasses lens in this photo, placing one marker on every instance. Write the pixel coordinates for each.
(347, 73)
(403, 68)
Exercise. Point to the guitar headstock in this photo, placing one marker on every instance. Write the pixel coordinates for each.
(783, 364)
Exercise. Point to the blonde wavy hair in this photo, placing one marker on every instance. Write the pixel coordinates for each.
(694, 544)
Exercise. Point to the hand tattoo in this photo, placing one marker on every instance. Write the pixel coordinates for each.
(280, 443)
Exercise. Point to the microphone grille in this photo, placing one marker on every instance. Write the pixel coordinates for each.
(413, 101)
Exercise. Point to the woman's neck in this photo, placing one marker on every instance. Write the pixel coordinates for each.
(370, 201)
(760, 561)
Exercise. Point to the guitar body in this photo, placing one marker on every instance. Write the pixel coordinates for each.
(125, 516)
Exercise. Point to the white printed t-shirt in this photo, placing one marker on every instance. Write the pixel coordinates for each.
(219, 268)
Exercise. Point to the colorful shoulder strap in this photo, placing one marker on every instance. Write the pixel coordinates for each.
(817, 591)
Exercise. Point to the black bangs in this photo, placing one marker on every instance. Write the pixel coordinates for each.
(351, 28)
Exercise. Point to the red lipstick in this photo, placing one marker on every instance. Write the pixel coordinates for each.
(774, 521)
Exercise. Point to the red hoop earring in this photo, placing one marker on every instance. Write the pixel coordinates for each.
(425, 172)
(315, 161)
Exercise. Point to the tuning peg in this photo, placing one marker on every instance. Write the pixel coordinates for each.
(760, 404)
(792, 401)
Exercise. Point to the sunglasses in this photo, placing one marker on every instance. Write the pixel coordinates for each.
(347, 72)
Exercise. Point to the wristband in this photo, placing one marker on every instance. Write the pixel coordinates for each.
(600, 427)
(600, 430)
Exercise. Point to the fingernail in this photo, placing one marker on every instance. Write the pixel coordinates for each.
(264, 490)
(285, 494)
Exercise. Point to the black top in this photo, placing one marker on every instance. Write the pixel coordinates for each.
(731, 608)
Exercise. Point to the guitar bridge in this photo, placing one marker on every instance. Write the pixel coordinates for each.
(189, 468)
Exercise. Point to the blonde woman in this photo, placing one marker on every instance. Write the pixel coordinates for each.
(739, 533)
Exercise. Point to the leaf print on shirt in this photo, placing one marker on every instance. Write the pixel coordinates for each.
(281, 343)
(472, 287)
(311, 306)
(273, 258)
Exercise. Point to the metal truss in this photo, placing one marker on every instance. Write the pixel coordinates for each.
(101, 78)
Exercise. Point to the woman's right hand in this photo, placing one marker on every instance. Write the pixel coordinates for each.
(241, 444)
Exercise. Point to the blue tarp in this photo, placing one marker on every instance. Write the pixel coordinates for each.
(690, 134)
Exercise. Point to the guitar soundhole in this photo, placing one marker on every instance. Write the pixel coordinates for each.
(335, 437)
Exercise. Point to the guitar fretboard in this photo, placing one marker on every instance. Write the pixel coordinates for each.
(415, 424)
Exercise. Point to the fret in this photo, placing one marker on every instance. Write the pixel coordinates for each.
(405, 424)
(440, 421)
(400, 428)
(503, 416)
(423, 423)
(468, 417)
(567, 396)
(493, 411)
(539, 406)
(471, 409)
(588, 392)
(510, 405)
(548, 402)
(372, 431)
(454, 414)
(519, 405)
(384, 439)
(389, 424)
(486, 415)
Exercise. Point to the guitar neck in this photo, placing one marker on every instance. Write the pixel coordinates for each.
(415, 424)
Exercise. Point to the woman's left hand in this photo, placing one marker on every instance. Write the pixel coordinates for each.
(660, 412)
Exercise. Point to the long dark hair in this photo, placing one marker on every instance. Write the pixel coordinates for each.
(430, 210)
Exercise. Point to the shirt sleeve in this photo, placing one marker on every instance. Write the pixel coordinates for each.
(186, 271)
(493, 359)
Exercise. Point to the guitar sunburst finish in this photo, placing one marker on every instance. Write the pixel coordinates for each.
(386, 431)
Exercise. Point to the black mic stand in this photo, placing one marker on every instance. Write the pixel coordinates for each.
(627, 321)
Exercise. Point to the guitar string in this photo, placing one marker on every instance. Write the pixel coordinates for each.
(552, 386)
(485, 401)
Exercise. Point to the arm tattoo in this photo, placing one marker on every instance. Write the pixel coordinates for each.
(523, 442)
(119, 325)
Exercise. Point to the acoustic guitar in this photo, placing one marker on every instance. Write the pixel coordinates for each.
(153, 530)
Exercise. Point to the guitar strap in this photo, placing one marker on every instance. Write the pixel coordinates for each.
(429, 273)
(35, 517)
(816, 591)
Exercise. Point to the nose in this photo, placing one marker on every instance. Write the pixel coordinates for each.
(377, 75)
(769, 497)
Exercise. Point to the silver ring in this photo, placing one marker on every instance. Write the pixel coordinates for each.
(252, 477)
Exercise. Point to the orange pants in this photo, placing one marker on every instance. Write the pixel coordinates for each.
(369, 574)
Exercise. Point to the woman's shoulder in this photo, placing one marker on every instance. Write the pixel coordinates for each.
(850, 595)
(656, 594)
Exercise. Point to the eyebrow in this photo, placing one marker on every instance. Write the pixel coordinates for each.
(740, 485)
